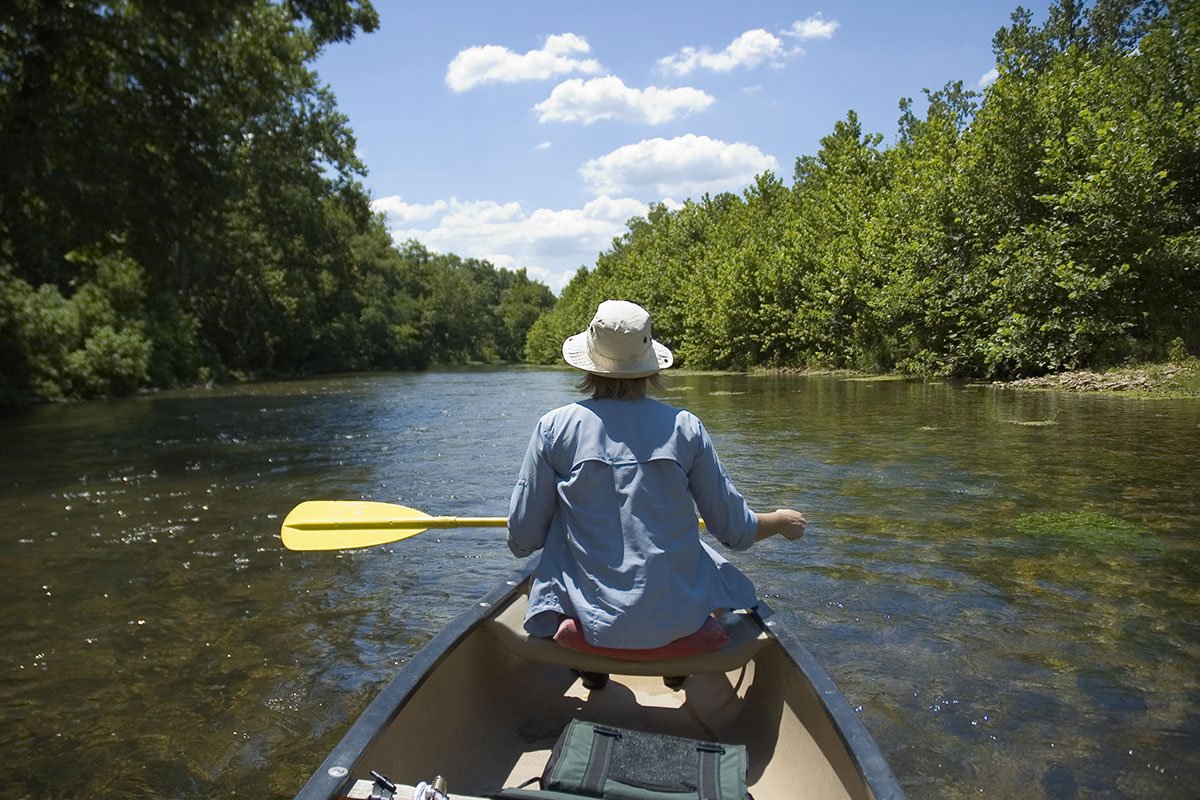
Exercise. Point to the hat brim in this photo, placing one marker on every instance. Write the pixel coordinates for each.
(657, 358)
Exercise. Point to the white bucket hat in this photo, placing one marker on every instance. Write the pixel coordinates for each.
(617, 343)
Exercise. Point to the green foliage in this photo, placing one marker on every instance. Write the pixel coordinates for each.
(1177, 352)
(1051, 223)
(522, 302)
(571, 314)
(90, 343)
(179, 202)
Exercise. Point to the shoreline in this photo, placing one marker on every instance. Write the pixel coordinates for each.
(1167, 381)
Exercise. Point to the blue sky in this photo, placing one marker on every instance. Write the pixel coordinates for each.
(528, 133)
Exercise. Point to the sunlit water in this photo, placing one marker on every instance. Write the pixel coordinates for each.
(1005, 585)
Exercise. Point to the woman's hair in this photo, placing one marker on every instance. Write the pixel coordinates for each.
(602, 387)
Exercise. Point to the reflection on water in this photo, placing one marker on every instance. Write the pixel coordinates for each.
(1005, 583)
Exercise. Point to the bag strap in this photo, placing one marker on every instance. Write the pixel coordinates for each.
(708, 783)
(604, 739)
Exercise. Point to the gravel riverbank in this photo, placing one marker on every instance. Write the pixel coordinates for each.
(1152, 380)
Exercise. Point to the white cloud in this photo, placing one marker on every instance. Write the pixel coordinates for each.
(561, 55)
(543, 146)
(988, 78)
(749, 50)
(396, 210)
(815, 27)
(577, 100)
(551, 244)
(687, 165)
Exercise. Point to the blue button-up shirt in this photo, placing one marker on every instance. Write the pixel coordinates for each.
(609, 490)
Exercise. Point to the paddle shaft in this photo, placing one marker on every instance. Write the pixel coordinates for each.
(421, 523)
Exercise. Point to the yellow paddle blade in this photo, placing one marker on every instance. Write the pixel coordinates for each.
(344, 525)
(349, 524)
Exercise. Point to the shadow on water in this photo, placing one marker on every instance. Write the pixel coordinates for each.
(1004, 584)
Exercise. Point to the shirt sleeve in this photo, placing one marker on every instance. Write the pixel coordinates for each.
(726, 514)
(533, 499)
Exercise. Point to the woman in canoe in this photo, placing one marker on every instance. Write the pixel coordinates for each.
(609, 489)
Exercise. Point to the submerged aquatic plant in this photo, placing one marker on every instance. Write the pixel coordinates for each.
(1086, 527)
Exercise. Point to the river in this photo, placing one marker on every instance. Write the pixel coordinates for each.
(1005, 585)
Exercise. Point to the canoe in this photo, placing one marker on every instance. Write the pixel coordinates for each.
(482, 704)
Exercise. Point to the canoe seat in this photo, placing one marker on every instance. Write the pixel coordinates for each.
(746, 636)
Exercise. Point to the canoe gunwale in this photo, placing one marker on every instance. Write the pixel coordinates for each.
(386, 705)
(370, 725)
(874, 768)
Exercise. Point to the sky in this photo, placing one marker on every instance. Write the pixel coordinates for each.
(528, 133)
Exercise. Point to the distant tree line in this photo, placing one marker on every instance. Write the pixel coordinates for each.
(1051, 223)
(179, 202)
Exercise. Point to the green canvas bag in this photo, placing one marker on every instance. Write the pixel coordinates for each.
(599, 761)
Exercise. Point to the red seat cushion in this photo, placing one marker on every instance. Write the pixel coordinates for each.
(710, 636)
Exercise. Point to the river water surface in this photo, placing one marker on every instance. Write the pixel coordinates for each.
(1005, 585)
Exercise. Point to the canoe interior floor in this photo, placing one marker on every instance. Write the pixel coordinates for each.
(622, 703)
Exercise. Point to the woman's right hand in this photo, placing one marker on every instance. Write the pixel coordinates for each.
(785, 522)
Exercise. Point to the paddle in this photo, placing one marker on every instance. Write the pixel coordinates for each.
(348, 524)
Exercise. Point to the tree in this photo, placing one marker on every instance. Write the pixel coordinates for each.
(135, 129)
(1067, 193)
(836, 194)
